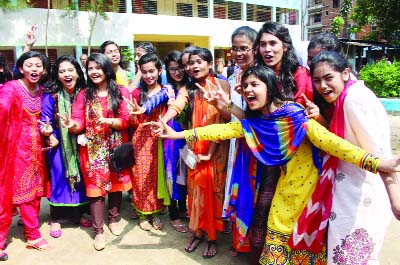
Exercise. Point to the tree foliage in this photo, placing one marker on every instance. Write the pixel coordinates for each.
(384, 13)
(12, 5)
(94, 9)
(382, 78)
(337, 25)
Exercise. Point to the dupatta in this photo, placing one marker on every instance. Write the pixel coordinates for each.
(272, 140)
(309, 231)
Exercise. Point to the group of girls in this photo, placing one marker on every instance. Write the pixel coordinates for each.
(276, 185)
(280, 173)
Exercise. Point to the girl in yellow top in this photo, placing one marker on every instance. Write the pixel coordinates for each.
(278, 134)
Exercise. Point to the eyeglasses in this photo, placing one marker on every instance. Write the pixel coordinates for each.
(242, 49)
(175, 69)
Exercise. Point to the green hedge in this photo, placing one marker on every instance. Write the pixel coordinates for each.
(382, 78)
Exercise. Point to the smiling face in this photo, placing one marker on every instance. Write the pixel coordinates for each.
(199, 68)
(112, 52)
(271, 50)
(150, 73)
(175, 71)
(68, 76)
(96, 74)
(328, 82)
(33, 70)
(255, 93)
(242, 51)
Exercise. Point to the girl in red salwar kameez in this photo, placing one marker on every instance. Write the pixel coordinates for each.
(101, 110)
(149, 188)
(22, 174)
(206, 182)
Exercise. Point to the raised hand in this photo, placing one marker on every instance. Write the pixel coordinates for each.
(311, 110)
(31, 36)
(238, 85)
(133, 107)
(215, 95)
(66, 120)
(46, 128)
(163, 130)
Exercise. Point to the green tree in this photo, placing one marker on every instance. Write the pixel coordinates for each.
(385, 14)
(11, 5)
(95, 8)
(337, 25)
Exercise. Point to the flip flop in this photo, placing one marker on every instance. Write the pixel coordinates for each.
(233, 252)
(156, 223)
(182, 228)
(145, 225)
(192, 243)
(41, 245)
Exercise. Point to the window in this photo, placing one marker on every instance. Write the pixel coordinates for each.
(326, 13)
(335, 3)
(287, 16)
(317, 18)
(234, 10)
(202, 8)
(184, 10)
(145, 7)
(258, 13)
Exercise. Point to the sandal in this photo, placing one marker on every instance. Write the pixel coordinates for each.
(40, 245)
(182, 228)
(55, 230)
(134, 215)
(156, 223)
(189, 248)
(3, 255)
(145, 225)
(210, 245)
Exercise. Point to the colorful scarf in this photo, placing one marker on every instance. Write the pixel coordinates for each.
(272, 140)
(309, 231)
(101, 140)
(69, 145)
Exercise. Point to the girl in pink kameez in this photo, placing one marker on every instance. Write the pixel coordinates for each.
(22, 174)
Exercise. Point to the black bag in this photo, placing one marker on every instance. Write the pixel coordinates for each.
(121, 157)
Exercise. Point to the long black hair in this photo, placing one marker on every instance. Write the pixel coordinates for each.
(175, 56)
(289, 64)
(267, 76)
(147, 58)
(114, 94)
(7, 74)
(55, 85)
(31, 54)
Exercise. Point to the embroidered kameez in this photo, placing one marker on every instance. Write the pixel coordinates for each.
(361, 209)
(294, 188)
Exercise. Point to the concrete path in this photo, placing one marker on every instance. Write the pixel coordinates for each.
(135, 246)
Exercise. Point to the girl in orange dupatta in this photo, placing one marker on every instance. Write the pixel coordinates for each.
(206, 181)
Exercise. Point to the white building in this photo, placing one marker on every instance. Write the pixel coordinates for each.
(169, 25)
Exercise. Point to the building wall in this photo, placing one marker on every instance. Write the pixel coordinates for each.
(68, 35)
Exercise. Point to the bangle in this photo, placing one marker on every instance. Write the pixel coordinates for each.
(229, 106)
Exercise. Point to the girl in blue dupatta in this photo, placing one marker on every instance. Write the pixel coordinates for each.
(278, 134)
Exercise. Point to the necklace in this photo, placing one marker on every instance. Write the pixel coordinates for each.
(33, 91)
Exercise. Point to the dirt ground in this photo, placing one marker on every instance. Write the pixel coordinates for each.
(135, 246)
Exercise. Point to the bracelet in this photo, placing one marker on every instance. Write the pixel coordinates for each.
(229, 106)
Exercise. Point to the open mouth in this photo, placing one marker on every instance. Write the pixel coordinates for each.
(68, 81)
(250, 99)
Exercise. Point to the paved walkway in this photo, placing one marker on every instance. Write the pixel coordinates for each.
(135, 246)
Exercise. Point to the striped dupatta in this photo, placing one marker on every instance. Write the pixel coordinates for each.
(309, 231)
(272, 140)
